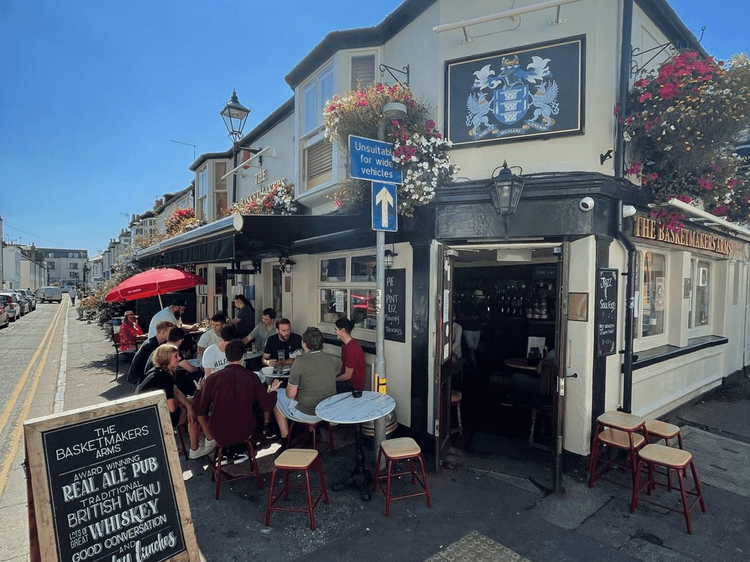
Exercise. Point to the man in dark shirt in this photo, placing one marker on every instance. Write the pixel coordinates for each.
(284, 341)
(139, 365)
(229, 394)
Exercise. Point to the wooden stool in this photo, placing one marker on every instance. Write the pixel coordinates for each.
(617, 430)
(216, 472)
(456, 399)
(400, 449)
(672, 459)
(329, 445)
(297, 460)
(666, 431)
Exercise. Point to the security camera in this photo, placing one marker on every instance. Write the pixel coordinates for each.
(586, 204)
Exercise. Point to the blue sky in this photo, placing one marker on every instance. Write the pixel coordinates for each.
(92, 92)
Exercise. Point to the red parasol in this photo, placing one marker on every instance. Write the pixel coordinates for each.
(155, 282)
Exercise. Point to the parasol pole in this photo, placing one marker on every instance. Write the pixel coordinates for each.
(161, 305)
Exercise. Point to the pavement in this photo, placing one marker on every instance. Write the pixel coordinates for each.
(492, 507)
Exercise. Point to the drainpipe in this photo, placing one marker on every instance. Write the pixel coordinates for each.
(627, 364)
(622, 92)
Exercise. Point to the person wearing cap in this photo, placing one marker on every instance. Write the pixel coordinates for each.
(173, 313)
(474, 319)
(129, 331)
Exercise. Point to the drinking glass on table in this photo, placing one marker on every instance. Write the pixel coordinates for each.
(280, 363)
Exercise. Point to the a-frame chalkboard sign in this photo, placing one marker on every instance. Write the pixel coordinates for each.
(105, 483)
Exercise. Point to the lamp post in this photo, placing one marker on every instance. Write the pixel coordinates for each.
(234, 115)
(505, 190)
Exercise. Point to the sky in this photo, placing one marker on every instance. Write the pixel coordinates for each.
(93, 94)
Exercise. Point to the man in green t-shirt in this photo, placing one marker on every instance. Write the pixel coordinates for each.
(311, 379)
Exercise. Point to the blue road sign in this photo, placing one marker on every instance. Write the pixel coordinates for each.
(372, 160)
(384, 205)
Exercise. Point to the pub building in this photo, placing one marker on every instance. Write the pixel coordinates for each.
(628, 315)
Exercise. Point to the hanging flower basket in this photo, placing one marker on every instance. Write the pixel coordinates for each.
(279, 200)
(420, 151)
(681, 127)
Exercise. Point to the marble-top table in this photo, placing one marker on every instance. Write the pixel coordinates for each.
(346, 409)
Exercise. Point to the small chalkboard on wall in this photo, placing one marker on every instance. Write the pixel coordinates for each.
(105, 484)
(606, 312)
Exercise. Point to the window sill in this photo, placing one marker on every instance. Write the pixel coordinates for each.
(662, 353)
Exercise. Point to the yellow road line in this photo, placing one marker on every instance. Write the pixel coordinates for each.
(17, 433)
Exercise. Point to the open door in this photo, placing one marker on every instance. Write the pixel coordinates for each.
(443, 347)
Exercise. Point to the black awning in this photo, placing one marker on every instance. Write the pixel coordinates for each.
(258, 236)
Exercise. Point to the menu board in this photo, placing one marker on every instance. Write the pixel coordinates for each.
(395, 305)
(107, 485)
(606, 312)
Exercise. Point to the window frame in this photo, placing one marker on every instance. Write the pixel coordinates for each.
(366, 329)
(641, 342)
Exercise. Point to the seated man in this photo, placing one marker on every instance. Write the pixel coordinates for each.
(285, 341)
(311, 379)
(140, 363)
(214, 358)
(264, 330)
(213, 335)
(229, 395)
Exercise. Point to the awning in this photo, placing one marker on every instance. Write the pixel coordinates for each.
(252, 237)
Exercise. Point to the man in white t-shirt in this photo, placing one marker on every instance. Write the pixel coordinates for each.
(212, 336)
(173, 313)
(214, 358)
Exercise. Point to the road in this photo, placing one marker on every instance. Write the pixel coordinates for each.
(30, 355)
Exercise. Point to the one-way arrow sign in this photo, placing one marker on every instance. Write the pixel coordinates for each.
(384, 205)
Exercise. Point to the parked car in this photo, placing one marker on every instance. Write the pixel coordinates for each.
(12, 306)
(31, 296)
(24, 303)
(4, 316)
(51, 294)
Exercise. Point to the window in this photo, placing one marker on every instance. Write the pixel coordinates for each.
(653, 293)
(73, 266)
(363, 71)
(314, 97)
(347, 289)
(318, 163)
(699, 304)
(201, 208)
(220, 189)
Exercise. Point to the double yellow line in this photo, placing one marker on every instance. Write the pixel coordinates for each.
(43, 350)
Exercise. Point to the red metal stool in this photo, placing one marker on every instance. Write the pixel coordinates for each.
(216, 472)
(672, 459)
(400, 449)
(662, 430)
(616, 430)
(329, 445)
(184, 450)
(297, 460)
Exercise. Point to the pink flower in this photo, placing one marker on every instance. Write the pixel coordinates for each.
(684, 198)
(720, 210)
(641, 83)
(635, 169)
(646, 96)
(705, 184)
(618, 109)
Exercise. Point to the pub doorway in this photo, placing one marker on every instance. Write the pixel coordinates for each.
(506, 298)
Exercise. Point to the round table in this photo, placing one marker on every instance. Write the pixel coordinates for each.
(346, 409)
(269, 374)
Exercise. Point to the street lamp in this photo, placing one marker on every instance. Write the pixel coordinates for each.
(234, 115)
(505, 190)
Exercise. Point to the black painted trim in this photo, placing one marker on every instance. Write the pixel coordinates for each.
(667, 352)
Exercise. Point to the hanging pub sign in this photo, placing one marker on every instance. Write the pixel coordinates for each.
(526, 92)
(105, 483)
